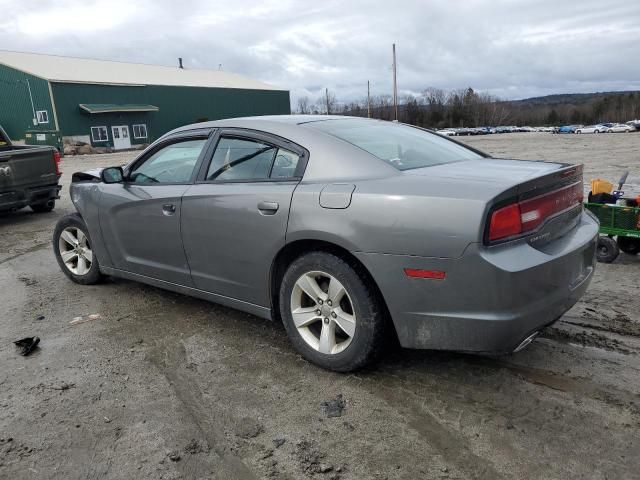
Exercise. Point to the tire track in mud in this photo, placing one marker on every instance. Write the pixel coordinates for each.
(454, 448)
(171, 360)
(34, 248)
(569, 335)
(576, 385)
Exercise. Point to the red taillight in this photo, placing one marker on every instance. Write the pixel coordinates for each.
(529, 214)
(536, 210)
(56, 161)
(505, 222)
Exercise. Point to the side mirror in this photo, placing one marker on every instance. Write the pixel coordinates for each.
(112, 175)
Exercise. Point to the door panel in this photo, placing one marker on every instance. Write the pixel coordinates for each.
(140, 218)
(141, 228)
(231, 233)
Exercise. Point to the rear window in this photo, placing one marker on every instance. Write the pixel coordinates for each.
(401, 146)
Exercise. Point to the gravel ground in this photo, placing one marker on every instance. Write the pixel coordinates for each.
(164, 386)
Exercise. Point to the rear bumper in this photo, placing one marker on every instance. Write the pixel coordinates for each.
(15, 199)
(491, 298)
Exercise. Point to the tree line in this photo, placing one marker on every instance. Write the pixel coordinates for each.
(438, 108)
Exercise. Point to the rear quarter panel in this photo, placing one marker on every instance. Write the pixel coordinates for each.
(398, 215)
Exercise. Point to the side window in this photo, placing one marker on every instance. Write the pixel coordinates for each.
(285, 164)
(42, 116)
(172, 164)
(240, 159)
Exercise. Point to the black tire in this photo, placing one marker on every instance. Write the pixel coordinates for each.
(367, 342)
(607, 249)
(75, 221)
(629, 245)
(43, 207)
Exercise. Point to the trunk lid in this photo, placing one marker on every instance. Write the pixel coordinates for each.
(24, 167)
(547, 192)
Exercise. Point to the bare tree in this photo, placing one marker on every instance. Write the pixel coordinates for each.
(303, 105)
(329, 100)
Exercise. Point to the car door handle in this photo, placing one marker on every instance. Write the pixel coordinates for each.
(168, 209)
(268, 208)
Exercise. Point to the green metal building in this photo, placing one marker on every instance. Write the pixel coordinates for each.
(46, 98)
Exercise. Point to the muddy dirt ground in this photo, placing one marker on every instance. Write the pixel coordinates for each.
(164, 386)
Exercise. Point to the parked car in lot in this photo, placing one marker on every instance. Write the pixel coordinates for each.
(447, 132)
(635, 124)
(347, 230)
(620, 128)
(592, 129)
(28, 176)
(568, 129)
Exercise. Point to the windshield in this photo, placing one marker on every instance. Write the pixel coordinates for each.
(401, 146)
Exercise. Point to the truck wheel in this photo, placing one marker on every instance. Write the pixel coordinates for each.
(629, 245)
(43, 207)
(607, 250)
(72, 247)
(333, 317)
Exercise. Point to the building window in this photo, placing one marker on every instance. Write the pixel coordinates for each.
(99, 134)
(140, 131)
(42, 116)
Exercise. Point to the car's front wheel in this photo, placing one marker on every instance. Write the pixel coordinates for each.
(72, 247)
(331, 313)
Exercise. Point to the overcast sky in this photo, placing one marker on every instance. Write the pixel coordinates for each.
(512, 49)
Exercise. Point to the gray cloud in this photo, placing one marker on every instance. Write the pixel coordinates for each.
(507, 48)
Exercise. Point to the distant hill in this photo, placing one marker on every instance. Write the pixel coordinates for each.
(570, 98)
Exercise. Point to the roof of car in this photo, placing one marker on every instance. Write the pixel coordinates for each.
(263, 122)
(329, 153)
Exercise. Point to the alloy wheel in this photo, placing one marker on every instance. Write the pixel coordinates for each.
(323, 312)
(75, 251)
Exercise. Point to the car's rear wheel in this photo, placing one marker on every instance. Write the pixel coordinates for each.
(607, 249)
(331, 313)
(629, 245)
(72, 247)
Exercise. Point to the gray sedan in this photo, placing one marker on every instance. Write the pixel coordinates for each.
(349, 231)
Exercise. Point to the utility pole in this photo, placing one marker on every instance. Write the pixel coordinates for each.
(368, 100)
(395, 85)
(326, 92)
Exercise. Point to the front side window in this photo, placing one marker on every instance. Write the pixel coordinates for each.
(171, 164)
(140, 131)
(401, 146)
(99, 134)
(42, 116)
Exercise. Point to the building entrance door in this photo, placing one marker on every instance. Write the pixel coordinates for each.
(121, 138)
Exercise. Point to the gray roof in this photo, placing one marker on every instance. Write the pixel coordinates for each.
(84, 70)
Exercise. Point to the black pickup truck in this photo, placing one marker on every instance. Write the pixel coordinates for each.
(29, 175)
